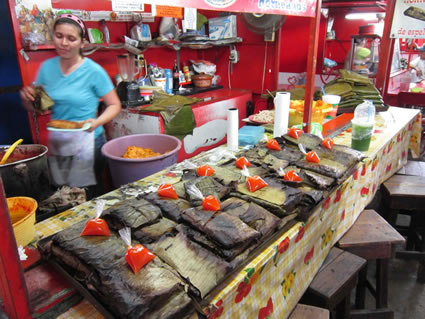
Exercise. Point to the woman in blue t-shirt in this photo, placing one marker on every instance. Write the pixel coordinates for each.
(75, 84)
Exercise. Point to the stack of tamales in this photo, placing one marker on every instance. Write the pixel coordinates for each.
(353, 89)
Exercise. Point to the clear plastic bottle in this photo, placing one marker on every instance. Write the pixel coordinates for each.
(105, 31)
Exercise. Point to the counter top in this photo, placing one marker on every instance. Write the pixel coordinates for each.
(285, 268)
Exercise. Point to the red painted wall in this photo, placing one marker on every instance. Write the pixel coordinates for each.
(295, 39)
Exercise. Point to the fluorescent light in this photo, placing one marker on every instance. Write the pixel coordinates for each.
(361, 16)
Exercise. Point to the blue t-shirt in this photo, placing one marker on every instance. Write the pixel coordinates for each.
(76, 95)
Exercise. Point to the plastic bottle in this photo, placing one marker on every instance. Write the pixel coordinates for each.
(168, 81)
(176, 83)
(105, 31)
(187, 73)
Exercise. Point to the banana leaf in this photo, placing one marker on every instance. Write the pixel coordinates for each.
(176, 112)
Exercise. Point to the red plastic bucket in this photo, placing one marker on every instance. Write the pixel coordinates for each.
(128, 170)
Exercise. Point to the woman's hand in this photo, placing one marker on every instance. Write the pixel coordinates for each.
(28, 96)
(94, 124)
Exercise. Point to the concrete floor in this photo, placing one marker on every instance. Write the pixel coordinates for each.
(406, 297)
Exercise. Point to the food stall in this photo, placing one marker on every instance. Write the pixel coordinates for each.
(272, 281)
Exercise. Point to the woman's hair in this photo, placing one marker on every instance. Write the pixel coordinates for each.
(71, 19)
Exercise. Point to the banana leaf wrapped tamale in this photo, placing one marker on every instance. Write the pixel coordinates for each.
(203, 240)
(206, 184)
(199, 266)
(277, 197)
(171, 208)
(226, 230)
(310, 141)
(133, 213)
(151, 233)
(98, 262)
(251, 214)
(287, 154)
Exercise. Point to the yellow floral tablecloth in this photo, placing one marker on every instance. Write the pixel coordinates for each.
(273, 282)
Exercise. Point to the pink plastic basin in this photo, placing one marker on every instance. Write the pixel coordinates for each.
(128, 170)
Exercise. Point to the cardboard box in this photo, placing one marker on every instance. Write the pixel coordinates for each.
(222, 27)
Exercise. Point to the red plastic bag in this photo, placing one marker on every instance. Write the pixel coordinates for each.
(205, 170)
(291, 176)
(96, 227)
(272, 144)
(211, 203)
(167, 190)
(328, 143)
(295, 132)
(254, 183)
(138, 256)
(312, 157)
(241, 162)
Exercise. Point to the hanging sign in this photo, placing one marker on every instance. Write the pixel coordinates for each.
(128, 5)
(409, 19)
(304, 8)
(166, 11)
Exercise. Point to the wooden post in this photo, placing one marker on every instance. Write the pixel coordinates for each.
(311, 67)
(13, 290)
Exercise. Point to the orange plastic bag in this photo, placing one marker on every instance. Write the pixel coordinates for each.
(272, 144)
(138, 256)
(241, 162)
(167, 190)
(205, 170)
(254, 183)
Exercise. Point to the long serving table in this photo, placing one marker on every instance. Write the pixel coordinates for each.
(274, 281)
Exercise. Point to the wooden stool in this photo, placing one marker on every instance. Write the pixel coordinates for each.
(332, 285)
(372, 238)
(309, 312)
(413, 168)
(405, 194)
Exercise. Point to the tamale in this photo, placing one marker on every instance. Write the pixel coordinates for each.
(202, 239)
(326, 167)
(171, 208)
(251, 214)
(208, 186)
(132, 213)
(98, 262)
(153, 232)
(277, 197)
(318, 180)
(309, 141)
(200, 267)
(415, 12)
(226, 230)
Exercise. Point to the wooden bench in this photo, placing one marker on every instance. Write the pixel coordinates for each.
(331, 287)
(405, 194)
(372, 238)
(309, 312)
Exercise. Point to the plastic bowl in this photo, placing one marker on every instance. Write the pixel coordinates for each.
(22, 215)
(128, 170)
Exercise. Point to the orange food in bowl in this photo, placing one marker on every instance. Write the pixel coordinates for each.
(296, 111)
(139, 152)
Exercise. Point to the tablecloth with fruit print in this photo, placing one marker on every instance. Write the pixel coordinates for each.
(272, 283)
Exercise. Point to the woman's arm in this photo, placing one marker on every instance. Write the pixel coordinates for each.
(113, 107)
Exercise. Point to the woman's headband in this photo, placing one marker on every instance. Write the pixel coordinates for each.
(73, 18)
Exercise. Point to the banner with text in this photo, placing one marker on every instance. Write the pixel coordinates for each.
(409, 19)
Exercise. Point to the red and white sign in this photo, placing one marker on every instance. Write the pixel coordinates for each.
(409, 19)
(305, 8)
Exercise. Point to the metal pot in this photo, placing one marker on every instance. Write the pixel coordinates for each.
(26, 172)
